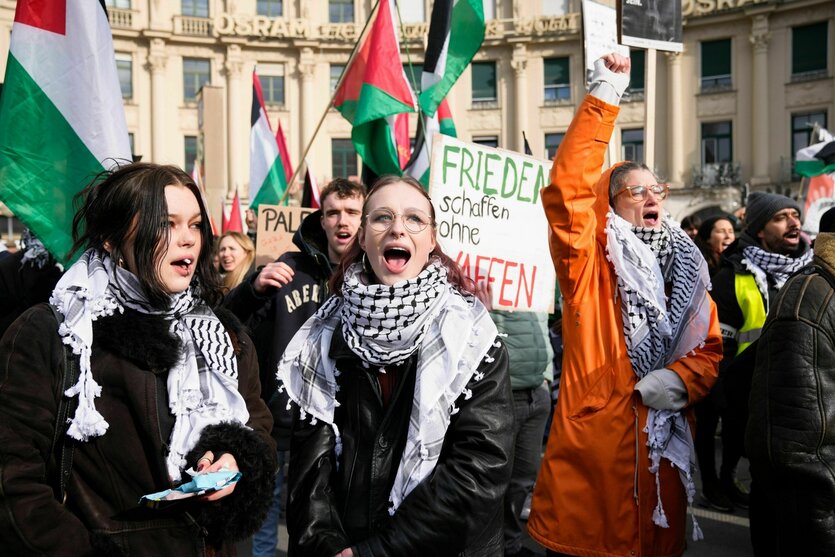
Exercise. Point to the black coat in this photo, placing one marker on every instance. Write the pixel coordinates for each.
(275, 317)
(338, 503)
(790, 436)
(23, 286)
(131, 356)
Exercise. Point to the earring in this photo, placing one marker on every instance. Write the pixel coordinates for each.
(121, 262)
(365, 266)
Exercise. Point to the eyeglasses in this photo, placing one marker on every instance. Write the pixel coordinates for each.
(414, 220)
(639, 192)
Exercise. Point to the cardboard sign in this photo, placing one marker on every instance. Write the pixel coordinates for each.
(491, 221)
(276, 227)
(600, 32)
(651, 24)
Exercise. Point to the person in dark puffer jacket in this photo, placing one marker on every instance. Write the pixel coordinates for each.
(165, 387)
(790, 437)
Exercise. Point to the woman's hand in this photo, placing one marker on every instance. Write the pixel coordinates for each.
(617, 63)
(226, 462)
(345, 553)
(275, 274)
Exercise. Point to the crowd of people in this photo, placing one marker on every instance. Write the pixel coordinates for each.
(409, 415)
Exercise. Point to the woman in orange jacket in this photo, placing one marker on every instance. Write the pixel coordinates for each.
(642, 344)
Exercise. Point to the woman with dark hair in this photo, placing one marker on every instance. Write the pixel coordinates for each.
(160, 387)
(405, 438)
(714, 236)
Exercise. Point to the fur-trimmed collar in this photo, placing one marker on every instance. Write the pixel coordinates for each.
(825, 248)
(145, 339)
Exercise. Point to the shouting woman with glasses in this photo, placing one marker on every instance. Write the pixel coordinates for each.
(642, 344)
(404, 441)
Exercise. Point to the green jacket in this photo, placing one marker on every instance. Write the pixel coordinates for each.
(528, 346)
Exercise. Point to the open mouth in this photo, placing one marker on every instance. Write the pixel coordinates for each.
(342, 235)
(183, 266)
(396, 259)
(651, 218)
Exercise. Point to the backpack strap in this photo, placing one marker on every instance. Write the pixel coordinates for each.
(62, 446)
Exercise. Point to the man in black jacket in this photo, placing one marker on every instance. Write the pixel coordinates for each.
(754, 268)
(277, 300)
(791, 430)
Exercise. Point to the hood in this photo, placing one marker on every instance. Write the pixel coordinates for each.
(603, 185)
(310, 239)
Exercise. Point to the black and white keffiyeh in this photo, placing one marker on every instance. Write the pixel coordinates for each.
(450, 333)
(773, 268)
(202, 386)
(34, 252)
(659, 331)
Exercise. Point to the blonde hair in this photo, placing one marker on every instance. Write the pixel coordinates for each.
(236, 276)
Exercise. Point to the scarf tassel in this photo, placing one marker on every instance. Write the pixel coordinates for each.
(659, 517)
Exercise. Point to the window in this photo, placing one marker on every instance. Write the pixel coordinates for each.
(487, 141)
(809, 48)
(802, 125)
(412, 11)
(336, 73)
(632, 145)
(195, 76)
(716, 65)
(637, 80)
(489, 10)
(195, 8)
(557, 81)
(413, 74)
(344, 158)
(552, 143)
(189, 152)
(484, 81)
(272, 82)
(341, 11)
(119, 4)
(716, 142)
(554, 7)
(124, 68)
(270, 8)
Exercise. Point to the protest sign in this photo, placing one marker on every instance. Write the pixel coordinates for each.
(491, 222)
(600, 32)
(651, 24)
(276, 226)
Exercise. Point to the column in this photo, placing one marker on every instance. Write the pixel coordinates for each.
(157, 59)
(519, 63)
(307, 66)
(675, 128)
(649, 109)
(233, 68)
(759, 106)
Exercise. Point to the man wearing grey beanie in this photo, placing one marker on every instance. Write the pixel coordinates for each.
(753, 269)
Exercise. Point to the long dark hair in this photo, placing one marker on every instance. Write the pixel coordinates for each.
(129, 202)
(354, 253)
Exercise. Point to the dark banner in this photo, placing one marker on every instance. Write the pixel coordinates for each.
(651, 24)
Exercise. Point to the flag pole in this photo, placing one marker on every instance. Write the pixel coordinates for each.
(411, 70)
(330, 103)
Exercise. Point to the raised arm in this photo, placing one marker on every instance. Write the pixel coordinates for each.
(575, 204)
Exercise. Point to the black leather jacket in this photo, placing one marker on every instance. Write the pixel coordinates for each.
(335, 503)
(791, 428)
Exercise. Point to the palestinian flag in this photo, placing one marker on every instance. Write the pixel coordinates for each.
(61, 116)
(267, 176)
(456, 32)
(816, 159)
(441, 122)
(374, 91)
(284, 153)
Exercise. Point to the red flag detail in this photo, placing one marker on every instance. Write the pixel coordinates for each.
(401, 138)
(235, 222)
(49, 15)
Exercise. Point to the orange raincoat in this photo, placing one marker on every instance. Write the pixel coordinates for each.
(595, 495)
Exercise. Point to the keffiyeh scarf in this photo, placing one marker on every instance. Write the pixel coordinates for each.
(772, 268)
(34, 252)
(383, 325)
(658, 331)
(202, 386)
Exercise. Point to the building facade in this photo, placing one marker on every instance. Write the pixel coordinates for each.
(727, 112)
